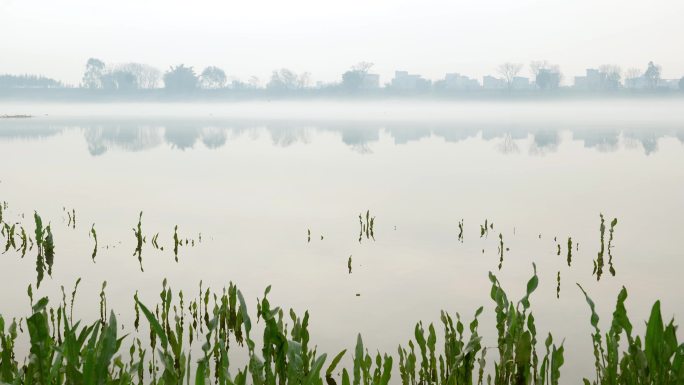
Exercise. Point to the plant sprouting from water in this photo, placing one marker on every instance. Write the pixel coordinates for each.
(176, 243)
(93, 234)
(598, 263)
(367, 226)
(611, 268)
(139, 240)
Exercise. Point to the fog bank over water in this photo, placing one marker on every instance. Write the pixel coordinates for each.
(595, 112)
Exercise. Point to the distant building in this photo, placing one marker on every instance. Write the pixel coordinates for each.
(521, 83)
(638, 83)
(492, 83)
(405, 81)
(670, 84)
(458, 82)
(593, 80)
(370, 82)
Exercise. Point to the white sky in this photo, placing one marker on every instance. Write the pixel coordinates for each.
(325, 37)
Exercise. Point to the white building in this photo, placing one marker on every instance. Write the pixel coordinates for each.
(592, 80)
(405, 81)
(492, 83)
(458, 82)
(521, 83)
(370, 82)
(642, 83)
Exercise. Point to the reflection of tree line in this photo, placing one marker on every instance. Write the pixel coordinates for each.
(136, 136)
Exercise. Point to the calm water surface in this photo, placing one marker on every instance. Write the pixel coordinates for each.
(253, 185)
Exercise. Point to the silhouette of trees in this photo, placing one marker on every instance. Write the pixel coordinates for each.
(652, 74)
(213, 78)
(180, 79)
(92, 77)
(509, 71)
(145, 76)
(610, 76)
(353, 79)
(287, 80)
(28, 81)
(119, 80)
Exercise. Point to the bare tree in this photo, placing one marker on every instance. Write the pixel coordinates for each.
(537, 65)
(213, 78)
(610, 76)
(509, 71)
(546, 75)
(146, 76)
(362, 67)
(304, 79)
(632, 73)
(254, 82)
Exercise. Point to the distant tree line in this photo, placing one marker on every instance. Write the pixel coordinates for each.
(28, 81)
(182, 79)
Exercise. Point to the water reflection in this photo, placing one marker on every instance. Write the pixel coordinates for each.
(139, 135)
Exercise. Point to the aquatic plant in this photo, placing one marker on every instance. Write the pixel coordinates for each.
(656, 359)
(139, 240)
(93, 234)
(367, 227)
(611, 268)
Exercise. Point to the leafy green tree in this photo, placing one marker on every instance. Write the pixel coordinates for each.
(180, 79)
(213, 78)
(92, 78)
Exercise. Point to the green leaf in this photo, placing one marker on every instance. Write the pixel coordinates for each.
(334, 362)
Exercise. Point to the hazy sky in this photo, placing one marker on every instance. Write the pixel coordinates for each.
(430, 37)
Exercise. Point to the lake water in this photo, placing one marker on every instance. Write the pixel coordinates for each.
(253, 178)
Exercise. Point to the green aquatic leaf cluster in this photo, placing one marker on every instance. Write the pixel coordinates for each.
(64, 351)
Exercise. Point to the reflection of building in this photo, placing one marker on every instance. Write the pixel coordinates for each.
(370, 81)
(492, 83)
(405, 81)
(460, 82)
